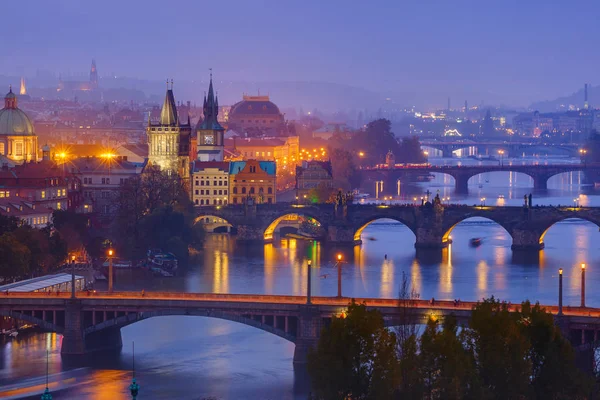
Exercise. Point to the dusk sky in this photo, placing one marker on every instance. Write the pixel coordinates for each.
(519, 50)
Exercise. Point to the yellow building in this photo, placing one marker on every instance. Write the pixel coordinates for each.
(252, 179)
(18, 140)
(210, 183)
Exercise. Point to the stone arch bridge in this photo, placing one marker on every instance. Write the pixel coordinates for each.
(431, 225)
(461, 174)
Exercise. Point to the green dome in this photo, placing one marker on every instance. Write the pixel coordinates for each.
(13, 121)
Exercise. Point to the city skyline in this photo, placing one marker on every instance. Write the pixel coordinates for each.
(498, 54)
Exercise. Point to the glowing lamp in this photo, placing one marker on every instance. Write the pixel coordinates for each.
(339, 257)
(560, 271)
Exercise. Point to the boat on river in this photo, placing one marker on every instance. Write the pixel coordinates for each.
(475, 242)
(162, 264)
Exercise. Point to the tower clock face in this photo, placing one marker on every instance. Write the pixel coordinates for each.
(209, 139)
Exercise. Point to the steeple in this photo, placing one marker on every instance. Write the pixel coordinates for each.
(211, 110)
(94, 73)
(23, 90)
(168, 113)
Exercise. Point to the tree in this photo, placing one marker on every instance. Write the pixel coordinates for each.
(345, 174)
(320, 194)
(14, 258)
(355, 358)
(47, 250)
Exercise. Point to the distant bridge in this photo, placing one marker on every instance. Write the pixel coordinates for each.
(511, 149)
(461, 174)
(93, 322)
(431, 225)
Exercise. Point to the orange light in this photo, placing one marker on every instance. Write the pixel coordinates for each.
(110, 252)
(582, 267)
(560, 271)
(72, 258)
(339, 257)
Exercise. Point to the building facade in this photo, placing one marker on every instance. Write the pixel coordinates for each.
(210, 183)
(209, 132)
(252, 179)
(312, 175)
(18, 141)
(101, 179)
(169, 141)
(32, 191)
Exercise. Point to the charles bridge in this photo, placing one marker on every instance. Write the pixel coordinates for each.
(461, 174)
(92, 321)
(431, 225)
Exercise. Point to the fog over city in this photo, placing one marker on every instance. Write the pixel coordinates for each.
(414, 52)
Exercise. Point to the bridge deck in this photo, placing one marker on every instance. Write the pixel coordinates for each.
(170, 299)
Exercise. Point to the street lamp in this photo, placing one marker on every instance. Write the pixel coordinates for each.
(110, 270)
(560, 278)
(583, 153)
(308, 282)
(73, 276)
(339, 271)
(582, 285)
(482, 202)
(501, 152)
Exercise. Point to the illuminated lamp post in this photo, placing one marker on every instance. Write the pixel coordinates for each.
(583, 153)
(501, 152)
(47, 395)
(308, 282)
(73, 276)
(582, 285)
(339, 271)
(110, 270)
(560, 290)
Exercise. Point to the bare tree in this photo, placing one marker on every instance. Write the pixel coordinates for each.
(408, 323)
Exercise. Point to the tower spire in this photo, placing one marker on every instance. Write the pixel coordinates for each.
(23, 90)
(168, 113)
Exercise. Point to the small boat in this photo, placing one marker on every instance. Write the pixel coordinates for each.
(371, 238)
(475, 242)
(117, 263)
(301, 236)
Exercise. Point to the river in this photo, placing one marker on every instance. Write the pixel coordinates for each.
(195, 358)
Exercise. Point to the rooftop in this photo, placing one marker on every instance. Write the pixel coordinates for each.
(41, 282)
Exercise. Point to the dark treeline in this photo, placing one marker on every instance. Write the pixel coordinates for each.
(499, 355)
(369, 147)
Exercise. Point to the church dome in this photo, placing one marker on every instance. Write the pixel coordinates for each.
(254, 106)
(13, 121)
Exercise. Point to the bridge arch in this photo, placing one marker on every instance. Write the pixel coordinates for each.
(368, 221)
(557, 174)
(213, 222)
(495, 171)
(269, 231)
(573, 217)
(131, 318)
(448, 229)
(44, 325)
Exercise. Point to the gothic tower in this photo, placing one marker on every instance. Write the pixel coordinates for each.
(209, 133)
(93, 75)
(169, 141)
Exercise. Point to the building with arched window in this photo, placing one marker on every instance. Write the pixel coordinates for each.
(18, 141)
(252, 179)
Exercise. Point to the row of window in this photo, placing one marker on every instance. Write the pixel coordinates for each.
(215, 183)
(243, 200)
(90, 195)
(4, 193)
(51, 194)
(257, 153)
(207, 192)
(215, 202)
(257, 121)
(32, 221)
(105, 181)
(252, 190)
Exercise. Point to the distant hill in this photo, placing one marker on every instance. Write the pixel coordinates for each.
(575, 99)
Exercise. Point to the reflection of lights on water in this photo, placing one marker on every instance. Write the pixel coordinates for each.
(482, 281)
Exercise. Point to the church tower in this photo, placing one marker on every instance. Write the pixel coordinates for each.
(169, 141)
(209, 133)
(93, 75)
(23, 90)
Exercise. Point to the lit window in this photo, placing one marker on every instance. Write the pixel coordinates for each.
(43, 194)
(58, 205)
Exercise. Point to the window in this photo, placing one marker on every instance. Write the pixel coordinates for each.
(201, 192)
(214, 183)
(196, 201)
(243, 190)
(197, 183)
(215, 202)
(220, 202)
(197, 191)
(269, 200)
(253, 168)
(18, 149)
(214, 192)
(252, 190)
(235, 200)
(225, 201)
(121, 181)
(43, 194)
(201, 183)
(202, 202)
(270, 190)
(220, 183)
(58, 205)
(235, 190)
(2, 148)
(225, 192)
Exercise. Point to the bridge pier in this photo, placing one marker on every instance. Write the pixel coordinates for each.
(526, 240)
(251, 234)
(461, 184)
(308, 332)
(540, 182)
(73, 342)
(342, 234)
